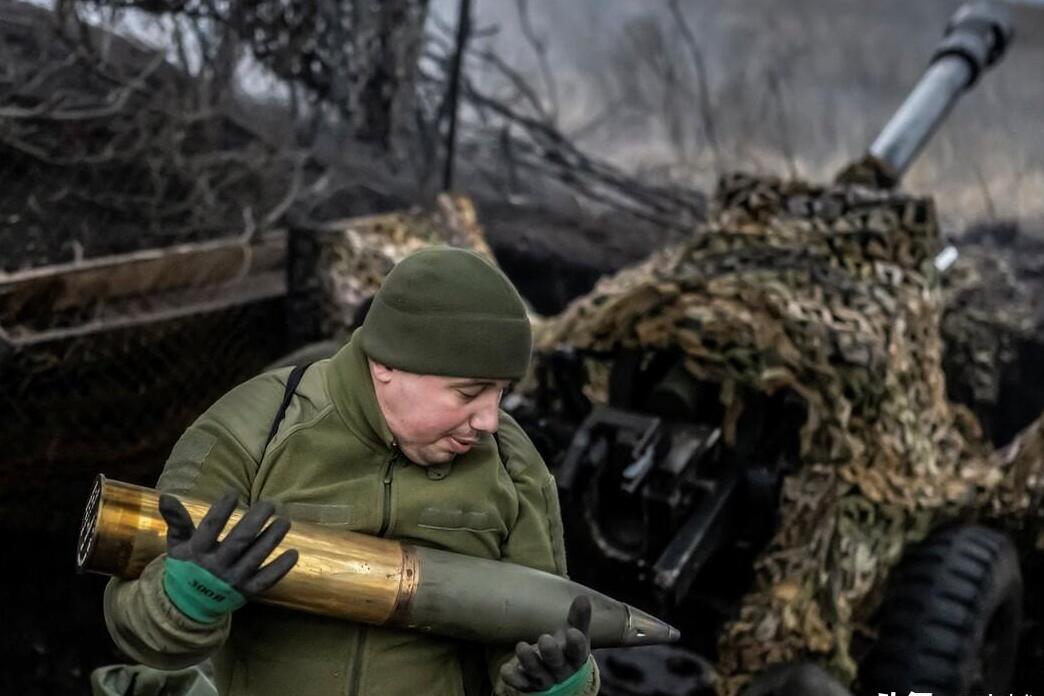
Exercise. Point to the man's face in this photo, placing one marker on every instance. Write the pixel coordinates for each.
(436, 418)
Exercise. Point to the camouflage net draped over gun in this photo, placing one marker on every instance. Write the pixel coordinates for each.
(993, 328)
(828, 292)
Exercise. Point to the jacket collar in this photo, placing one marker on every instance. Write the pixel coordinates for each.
(351, 389)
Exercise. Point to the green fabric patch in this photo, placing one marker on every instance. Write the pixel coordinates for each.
(436, 518)
(193, 446)
(573, 685)
(198, 593)
(330, 515)
(185, 462)
(179, 479)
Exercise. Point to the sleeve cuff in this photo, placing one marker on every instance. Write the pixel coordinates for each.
(584, 682)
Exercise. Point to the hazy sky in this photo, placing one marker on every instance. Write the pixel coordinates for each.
(801, 85)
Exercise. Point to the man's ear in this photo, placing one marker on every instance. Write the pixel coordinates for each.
(380, 372)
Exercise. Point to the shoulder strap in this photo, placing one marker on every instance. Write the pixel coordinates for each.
(291, 386)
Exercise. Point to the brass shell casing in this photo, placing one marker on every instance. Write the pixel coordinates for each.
(373, 580)
(339, 573)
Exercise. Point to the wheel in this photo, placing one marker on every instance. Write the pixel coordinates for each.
(949, 623)
(800, 679)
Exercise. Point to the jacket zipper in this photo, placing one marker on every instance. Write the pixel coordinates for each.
(389, 473)
(353, 688)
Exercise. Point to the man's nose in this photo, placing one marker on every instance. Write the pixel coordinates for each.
(487, 418)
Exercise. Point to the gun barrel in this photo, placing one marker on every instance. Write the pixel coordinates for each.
(917, 119)
(373, 580)
(976, 38)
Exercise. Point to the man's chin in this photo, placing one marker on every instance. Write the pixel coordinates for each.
(438, 456)
(443, 457)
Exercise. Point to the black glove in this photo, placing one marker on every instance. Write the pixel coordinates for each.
(232, 567)
(553, 658)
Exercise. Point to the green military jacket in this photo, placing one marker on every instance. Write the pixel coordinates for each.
(333, 462)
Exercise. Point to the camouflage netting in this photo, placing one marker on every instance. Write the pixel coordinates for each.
(354, 260)
(829, 292)
(993, 328)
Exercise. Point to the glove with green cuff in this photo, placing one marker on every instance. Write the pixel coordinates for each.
(556, 665)
(206, 579)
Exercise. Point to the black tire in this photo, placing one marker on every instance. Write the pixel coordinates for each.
(800, 679)
(949, 624)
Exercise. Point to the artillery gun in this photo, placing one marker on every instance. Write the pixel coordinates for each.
(750, 435)
(693, 447)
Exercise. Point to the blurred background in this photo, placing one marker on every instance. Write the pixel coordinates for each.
(156, 153)
(684, 91)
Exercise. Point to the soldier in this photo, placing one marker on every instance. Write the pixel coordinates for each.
(400, 434)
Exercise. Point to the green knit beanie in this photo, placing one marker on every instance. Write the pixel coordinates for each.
(450, 312)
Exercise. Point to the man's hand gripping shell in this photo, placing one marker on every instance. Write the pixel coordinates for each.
(206, 578)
